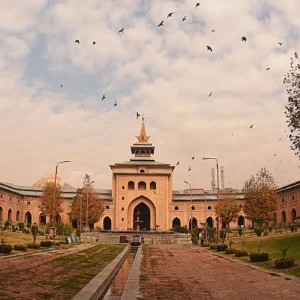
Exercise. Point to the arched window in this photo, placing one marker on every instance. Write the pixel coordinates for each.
(58, 218)
(142, 185)
(283, 217)
(28, 218)
(1, 214)
(241, 221)
(152, 185)
(176, 223)
(18, 216)
(293, 216)
(142, 171)
(107, 207)
(131, 185)
(210, 222)
(193, 207)
(209, 208)
(42, 219)
(9, 215)
(122, 208)
(107, 223)
(176, 207)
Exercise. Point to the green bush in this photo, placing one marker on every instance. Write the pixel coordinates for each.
(205, 245)
(21, 226)
(284, 263)
(181, 230)
(258, 231)
(213, 247)
(5, 249)
(20, 247)
(258, 257)
(13, 228)
(270, 229)
(292, 227)
(239, 253)
(230, 251)
(33, 246)
(45, 244)
(240, 231)
(222, 247)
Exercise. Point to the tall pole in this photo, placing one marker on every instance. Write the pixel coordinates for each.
(191, 227)
(54, 200)
(87, 205)
(80, 228)
(218, 186)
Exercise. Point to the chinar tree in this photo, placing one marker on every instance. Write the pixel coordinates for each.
(88, 202)
(292, 83)
(261, 200)
(229, 208)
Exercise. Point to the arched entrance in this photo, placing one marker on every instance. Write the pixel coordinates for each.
(1, 214)
(9, 215)
(176, 223)
(210, 222)
(293, 216)
(107, 223)
(194, 223)
(241, 221)
(141, 212)
(42, 219)
(18, 216)
(74, 223)
(58, 218)
(28, 218)
(283, 217)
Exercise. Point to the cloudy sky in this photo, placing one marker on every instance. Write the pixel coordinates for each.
(165, 72)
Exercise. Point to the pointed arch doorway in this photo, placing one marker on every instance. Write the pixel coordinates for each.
(142, 212)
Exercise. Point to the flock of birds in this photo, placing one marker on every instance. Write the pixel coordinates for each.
(209, 48)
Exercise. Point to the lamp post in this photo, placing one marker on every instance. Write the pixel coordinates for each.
(54, 200)
(205, 205)
(218, 187)
(80, 215)
(191, 203)
(87, 205)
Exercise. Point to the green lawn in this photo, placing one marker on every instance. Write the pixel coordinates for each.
(272, 245)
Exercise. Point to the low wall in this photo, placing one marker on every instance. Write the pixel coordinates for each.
(148, 237)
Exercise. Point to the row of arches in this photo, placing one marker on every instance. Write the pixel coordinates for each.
(293, 216)
(9, 215)
(141, 185)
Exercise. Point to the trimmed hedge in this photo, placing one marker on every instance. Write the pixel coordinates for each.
(239, 253)
(284, 263)
(230, 251)
(5, 249)
(222, 247)
(258, 257)
(45, 244)
(213, 247)
(33, 246)
(20, 247)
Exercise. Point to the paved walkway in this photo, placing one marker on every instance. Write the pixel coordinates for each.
(186, 273)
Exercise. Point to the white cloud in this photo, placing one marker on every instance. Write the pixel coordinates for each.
(166, 72)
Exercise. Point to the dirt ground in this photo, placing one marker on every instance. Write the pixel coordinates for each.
(179, 272)
(25, 277)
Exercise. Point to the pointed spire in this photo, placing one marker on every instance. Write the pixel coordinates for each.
(143, 137)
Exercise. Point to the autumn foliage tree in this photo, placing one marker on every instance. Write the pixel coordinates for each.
(47, 200)
(261, 198)
(87, 196)
(292, 82)
(229, 208)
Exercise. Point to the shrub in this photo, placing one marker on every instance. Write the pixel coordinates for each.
(258, 257)
(181, 230)
(292, 227)
(46, 244)
(266, 232)
(222, 247)
(5, 249)
(33, 246)
(222, 234)
(270, 229)
(258, 231)
(21, 226)
(239, 253)
(230, 251)
(213, 247)
(240, 231)
(20, 247)
(13, 228)
(284, 263)
(205, 245)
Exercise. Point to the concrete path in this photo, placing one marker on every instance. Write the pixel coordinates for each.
(184, 272)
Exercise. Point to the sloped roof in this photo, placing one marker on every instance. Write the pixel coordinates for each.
(289, 186)
(50, 177)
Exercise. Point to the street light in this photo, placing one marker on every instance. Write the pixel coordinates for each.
(87, 205)
(80, 217)
(191, 203)
(54, 200)
(218, 218)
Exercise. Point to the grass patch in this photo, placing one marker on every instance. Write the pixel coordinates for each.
(272, 245)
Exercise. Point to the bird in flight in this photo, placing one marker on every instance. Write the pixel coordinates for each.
(193, 157)
(170, 15)
(280, 43)
(137, 115)
(209, 48)
(115, 104)
(189, 169)
(161, 23)
(103, 97)
(251, 127)
(210, 94)
(77, 41)
(279, 140)
(121, 30)
(268, 69)
(274, 154)
(184, 19)
(244, 39)
(94, 43)
(232, 134)
(197, 4)
(61, 85)
(213, 31)
(177, 163)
